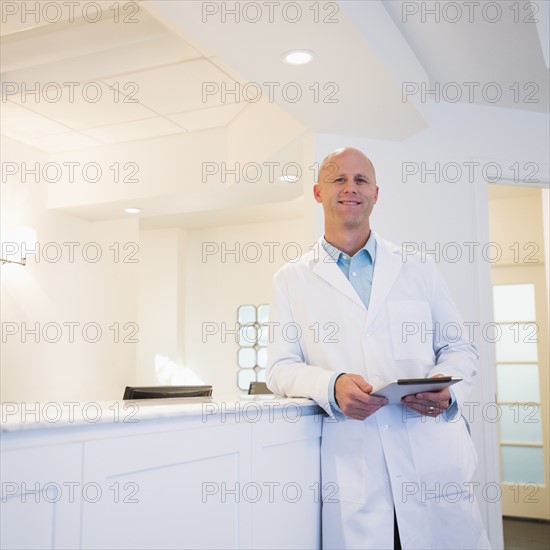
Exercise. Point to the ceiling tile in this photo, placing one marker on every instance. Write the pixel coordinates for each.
(75, 36)
(161, 50)
(208, 118)
(58, 143)
(20, 123)
(179, 87)
(137, 129)
(83, 105)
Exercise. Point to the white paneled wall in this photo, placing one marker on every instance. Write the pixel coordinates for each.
(226, 267)
(79, 279)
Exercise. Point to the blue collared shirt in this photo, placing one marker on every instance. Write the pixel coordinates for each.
(359, 270)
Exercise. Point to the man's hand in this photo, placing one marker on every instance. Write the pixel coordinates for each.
(352, 394)
(429, 403)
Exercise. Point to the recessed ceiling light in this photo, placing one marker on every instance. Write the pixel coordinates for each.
(132, 210)
(297, 57)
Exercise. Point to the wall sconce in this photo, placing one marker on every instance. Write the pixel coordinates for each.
(16, 243)
(22, 262)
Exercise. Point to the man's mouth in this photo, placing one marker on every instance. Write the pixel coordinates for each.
(349, 202)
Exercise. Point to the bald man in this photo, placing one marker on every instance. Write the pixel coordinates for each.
(404, 471)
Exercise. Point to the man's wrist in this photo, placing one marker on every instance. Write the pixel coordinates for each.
(335, 407)
(335, 381)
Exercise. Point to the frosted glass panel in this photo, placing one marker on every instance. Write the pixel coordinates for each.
(520, 423)
(252, 339)
(518, 383)
(262, 358)
(262, 313)
(263, 336)
(248, 336)
(514, 303)
(246, 358)
(516, 342)
(244, 377)
(522, 464)
(246, 315)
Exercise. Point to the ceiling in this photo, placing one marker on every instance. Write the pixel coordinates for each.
(110, 69)
(502, 45)
(144, 80)
(139, 74)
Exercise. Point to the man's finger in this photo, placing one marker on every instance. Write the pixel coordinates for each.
(363, 385)
(441, 395)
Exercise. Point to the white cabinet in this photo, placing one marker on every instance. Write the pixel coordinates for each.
(41, 497)
(240, 481)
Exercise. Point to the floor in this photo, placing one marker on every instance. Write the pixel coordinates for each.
(522, 534)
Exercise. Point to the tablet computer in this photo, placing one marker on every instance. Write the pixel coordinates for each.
(397, 389)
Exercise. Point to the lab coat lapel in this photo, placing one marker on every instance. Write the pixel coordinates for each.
(324, 266)
(386, 269)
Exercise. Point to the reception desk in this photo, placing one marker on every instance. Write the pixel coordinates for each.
(161, 474)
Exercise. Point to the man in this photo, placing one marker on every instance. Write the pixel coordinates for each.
(403, 471)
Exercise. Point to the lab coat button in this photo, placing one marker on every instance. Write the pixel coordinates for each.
(386, 427)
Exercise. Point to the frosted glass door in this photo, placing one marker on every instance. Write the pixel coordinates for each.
(521, 352)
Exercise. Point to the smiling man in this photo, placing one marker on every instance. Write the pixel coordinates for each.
(348, 192)
(403, 471)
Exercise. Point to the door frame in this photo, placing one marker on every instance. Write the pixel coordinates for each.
(490, 452)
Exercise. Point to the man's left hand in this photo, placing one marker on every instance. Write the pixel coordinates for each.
(429, 403)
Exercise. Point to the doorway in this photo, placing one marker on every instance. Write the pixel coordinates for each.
(520, 313)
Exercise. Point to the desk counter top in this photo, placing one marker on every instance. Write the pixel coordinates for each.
(23, 416)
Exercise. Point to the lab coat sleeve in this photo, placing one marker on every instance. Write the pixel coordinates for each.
(287, 373)
(455, 354)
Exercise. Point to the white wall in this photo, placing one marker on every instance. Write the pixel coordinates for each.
(161, 289)
(166, 295)
(63, 291)
(217, 284)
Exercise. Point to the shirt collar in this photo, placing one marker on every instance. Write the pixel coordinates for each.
(335, 253)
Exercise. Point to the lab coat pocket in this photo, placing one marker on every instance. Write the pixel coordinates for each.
(410, 322)
(444, 455)
(343, 460)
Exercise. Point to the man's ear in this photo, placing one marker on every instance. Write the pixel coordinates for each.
(316, 193)
(376, 195)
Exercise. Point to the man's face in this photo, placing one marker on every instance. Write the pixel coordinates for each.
(347, 190)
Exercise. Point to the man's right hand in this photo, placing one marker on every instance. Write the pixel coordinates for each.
(352, 393)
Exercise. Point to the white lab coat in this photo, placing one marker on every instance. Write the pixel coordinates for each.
(420, 465)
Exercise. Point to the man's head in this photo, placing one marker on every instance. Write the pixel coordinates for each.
(347, 190)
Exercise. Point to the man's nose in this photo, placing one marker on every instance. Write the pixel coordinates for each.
(350, 187)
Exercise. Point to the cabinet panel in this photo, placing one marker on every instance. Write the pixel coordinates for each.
(41, 496)
(178, 489)
(286, 473)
